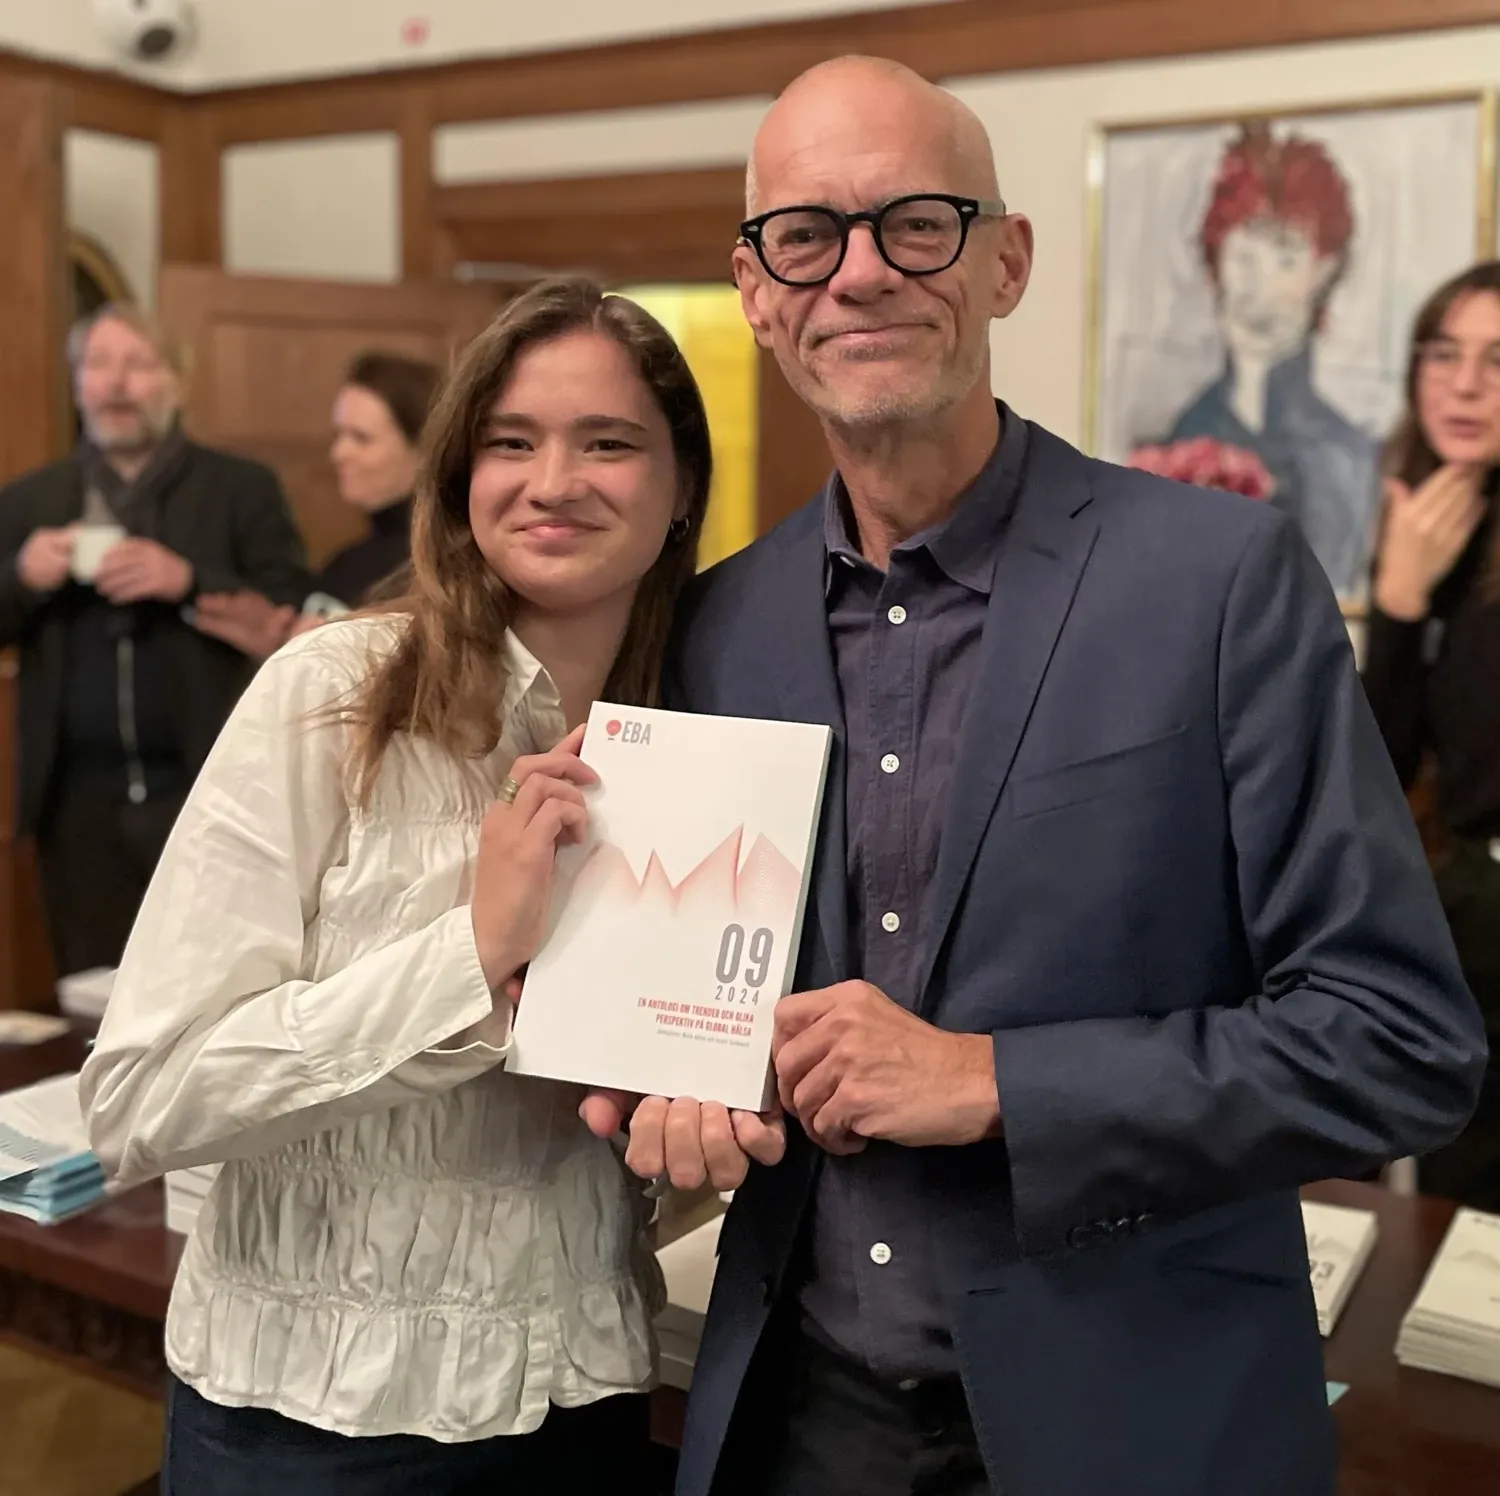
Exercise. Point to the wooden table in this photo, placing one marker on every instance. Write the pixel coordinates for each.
(1403, 1432)
(92, 1290)
(96, 1288)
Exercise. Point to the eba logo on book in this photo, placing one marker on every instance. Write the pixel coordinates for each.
(628, 732)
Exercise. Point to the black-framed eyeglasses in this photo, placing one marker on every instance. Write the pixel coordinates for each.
(1441, 359)
(918, 235)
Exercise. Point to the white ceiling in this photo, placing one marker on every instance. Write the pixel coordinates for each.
(260, 41)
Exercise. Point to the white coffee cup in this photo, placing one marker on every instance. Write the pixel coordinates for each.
(90, 545)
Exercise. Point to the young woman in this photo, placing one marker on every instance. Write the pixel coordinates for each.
(377, 426)
(406, 1243)
(1432, 667)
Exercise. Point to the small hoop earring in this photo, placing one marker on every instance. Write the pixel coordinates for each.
(678, 529)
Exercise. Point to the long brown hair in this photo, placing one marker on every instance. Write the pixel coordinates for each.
(406, 386)
(446, 677)
(1408, 454)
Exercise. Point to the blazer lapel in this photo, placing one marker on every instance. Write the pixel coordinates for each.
(807, 683)
(1041, 560)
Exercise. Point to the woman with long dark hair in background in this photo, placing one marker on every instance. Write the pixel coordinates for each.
(1432, 661)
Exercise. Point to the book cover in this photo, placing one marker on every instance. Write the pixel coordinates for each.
(1339, 1243)
(1463, 1284)
(674, 927)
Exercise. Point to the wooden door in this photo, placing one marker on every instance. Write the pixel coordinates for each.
(268, 356)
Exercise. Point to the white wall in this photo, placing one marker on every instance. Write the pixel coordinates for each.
(245, 41)
(329, 208)
(1040, 124)
(598, 143)
(259, 41)
(114, 196)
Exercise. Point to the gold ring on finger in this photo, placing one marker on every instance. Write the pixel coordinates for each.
(509, 789)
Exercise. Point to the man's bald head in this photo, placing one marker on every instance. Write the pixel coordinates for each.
(870, 343)
(863, 94)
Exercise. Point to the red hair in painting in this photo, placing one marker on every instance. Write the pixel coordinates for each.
(1292, 181)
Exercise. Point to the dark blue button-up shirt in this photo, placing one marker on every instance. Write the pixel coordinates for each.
(906, 646)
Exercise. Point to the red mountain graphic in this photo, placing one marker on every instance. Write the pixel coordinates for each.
(765, 888)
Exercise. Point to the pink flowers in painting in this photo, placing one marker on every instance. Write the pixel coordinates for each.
(1208, 464)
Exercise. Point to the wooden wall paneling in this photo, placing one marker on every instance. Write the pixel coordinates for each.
(269, 356)
(192, 192)
(120, 108)
(96, 100)
(581, 197)
(668, 226)
(33, 431)
(792, 459)
(682, 246)
(318, 106)
(419, 250)
(179, 125)
(954, 39)
(33, 294)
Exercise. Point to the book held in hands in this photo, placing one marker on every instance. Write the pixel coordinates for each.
(674, 926)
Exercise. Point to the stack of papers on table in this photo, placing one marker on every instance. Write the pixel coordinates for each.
(85, 994)
(47, 1170)
(187, 1189)
(1339, 1243)
(688, 1266)
(1454, 1325)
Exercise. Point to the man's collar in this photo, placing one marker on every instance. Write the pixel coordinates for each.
(964, 544)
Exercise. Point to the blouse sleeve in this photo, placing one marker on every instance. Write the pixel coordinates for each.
(213, 1045)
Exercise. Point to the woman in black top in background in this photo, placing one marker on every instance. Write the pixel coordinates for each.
(1432, 666)
(377, 426)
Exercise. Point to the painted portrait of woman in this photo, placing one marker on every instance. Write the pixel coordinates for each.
(1255, 279)
(1275, 241)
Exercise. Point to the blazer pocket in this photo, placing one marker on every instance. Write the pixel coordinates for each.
(1133, 768)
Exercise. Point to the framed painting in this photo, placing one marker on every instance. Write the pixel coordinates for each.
(1253, 284)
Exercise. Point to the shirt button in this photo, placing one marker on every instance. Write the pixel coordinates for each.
(890, 763)
(890, 922)
(880, 1254)
(897, 614)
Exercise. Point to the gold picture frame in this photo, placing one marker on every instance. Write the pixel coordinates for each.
(1206, 137)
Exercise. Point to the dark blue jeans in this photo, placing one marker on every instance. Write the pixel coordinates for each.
(218, 1451)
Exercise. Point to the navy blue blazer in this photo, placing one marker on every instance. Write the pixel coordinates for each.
(1180, 886)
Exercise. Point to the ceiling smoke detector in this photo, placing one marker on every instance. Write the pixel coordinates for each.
(146, 30)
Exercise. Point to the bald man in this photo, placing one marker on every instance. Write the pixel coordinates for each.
(1119, 931)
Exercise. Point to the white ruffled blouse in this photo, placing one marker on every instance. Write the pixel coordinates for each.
(404, 1238)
